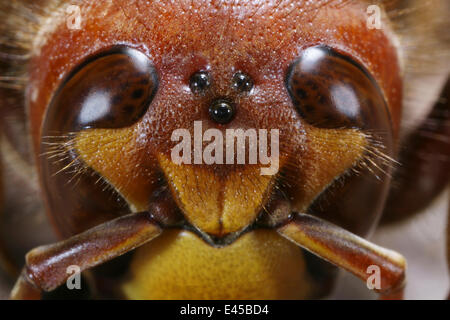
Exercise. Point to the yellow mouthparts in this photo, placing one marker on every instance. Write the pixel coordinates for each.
(218, 204)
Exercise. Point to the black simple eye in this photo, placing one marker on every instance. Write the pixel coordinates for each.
(112, 90)
(199, 82)
(330, 90)
(222, 111)
(242, 82)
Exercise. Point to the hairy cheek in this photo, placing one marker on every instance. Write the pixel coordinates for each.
(115, 156)
(329, 154)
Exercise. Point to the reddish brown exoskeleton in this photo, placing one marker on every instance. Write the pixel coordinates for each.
(103, 86)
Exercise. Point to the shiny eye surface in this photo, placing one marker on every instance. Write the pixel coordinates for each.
(329, 90)
(112, 90)
(242, 82)
(222, 111)
(199, 82)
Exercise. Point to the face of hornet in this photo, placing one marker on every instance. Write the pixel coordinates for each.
(224, 150)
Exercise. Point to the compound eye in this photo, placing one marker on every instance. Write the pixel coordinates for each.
(330, 90)
(111, 90)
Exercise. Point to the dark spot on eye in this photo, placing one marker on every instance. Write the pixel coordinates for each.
(117, 99)
(143, 81)
(309, 108)
(128, 109)
(110, 117)
(322, 99)
(311, 84)
(137, 94)
(301, 93)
